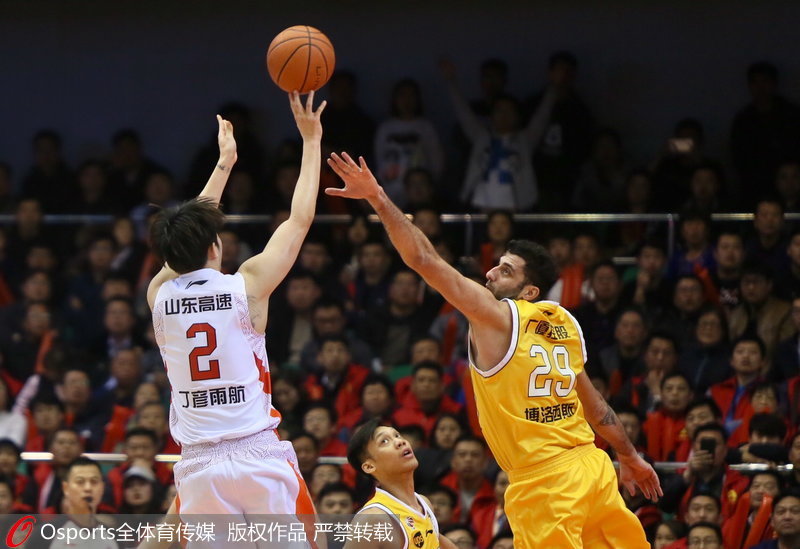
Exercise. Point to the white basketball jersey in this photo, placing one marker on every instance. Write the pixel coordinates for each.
(216, 362)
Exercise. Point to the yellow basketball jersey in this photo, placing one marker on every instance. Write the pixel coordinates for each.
(420, 531)
(527, 404)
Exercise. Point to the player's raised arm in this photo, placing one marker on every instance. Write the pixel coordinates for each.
(633, 470)
(475, 301)
(263, 272)
(227, 158)
(211, 192)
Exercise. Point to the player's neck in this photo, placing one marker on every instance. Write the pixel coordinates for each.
(402, 487)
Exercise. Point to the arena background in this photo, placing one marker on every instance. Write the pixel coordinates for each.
(163, 67)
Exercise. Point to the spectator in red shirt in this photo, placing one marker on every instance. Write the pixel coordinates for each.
(153, 416)
(643, 391)
(45, 489)
(426, 399)
(706, 472)
(733, 395)
(749, 524)
(490, 520)
(377, 400)
(9, 462)
(141, 447)
(669, 532)
(785, 522)
(320, 421)
(434, 460)
(665, 427)
(48, 415)
(699, 412)
(141, 494)
(702, 508)
(340, 381)
(466, 478)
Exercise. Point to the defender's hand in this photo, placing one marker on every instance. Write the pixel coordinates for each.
(358, 179)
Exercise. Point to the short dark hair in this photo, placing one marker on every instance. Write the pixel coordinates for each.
(378, 379)
(412, 429)
(707, 494)
(752, 339)
(677, 527)
(428, 365)
(471, 438)
(305, 434)
(771, 472)
(770, 199)
(335, 488)
(605, 264)
(709, 427)
(652, 243)
(442, 489)
(624, 407)
(704, 524)
(789, 492)
(325, 302)
(769, 425)
(82, 461)
(663, 335)
(702, 401)
(334, 339)
(322, 405)
(675, 374)
(183, 234)
(357, 448)
(540, 269)
(8, 444)
(141, 432)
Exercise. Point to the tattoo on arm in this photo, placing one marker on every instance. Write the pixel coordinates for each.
(610, 418)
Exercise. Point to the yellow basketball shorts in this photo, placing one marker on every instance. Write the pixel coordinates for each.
(571, 500)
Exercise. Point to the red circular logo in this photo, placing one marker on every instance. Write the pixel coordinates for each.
(25, 526)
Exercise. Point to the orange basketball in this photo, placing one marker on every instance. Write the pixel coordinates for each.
(300, 58)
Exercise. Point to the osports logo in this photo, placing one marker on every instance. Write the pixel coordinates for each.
(25, 526)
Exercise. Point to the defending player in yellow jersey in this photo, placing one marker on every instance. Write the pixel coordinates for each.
(380, 451)
(533, 398)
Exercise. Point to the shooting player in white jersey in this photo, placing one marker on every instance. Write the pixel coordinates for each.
(210, 330)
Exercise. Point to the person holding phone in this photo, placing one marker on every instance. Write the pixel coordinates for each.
(706, 472)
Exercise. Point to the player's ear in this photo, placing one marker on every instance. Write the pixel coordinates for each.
(529, 292)
(368, 467)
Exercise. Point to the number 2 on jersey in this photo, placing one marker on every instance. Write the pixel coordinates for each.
(560, 357)
(211, 344)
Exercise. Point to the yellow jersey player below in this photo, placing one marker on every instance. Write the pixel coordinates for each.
(533, 398)
(382, 453)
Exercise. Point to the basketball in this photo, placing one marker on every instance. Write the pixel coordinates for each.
(300, 58)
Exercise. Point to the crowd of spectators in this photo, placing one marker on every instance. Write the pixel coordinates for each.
(697, 350)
